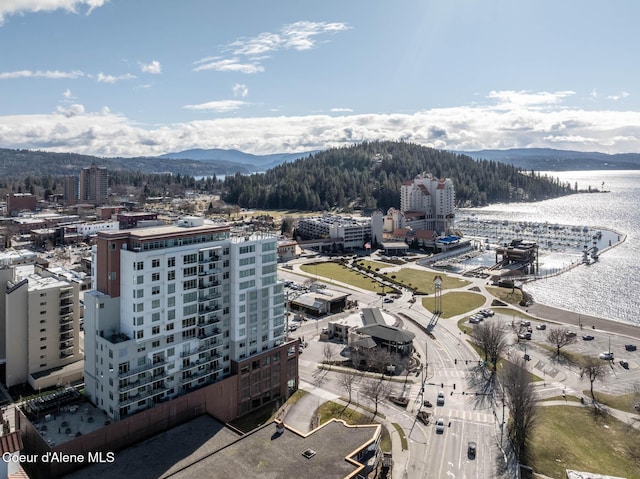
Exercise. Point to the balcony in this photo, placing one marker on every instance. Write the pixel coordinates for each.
(208, 259)
(209, 296)
(146, 367)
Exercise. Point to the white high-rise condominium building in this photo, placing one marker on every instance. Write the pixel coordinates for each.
(429, 203)
(174, 308)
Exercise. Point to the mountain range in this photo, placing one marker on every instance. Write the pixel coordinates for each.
(548, 159)
(219, 162)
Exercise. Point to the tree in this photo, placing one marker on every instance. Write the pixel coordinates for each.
(519, 396)
(491, 338)
(593, 369)
(348, 380)
(560, 337)
(327, 353)
(376, 390)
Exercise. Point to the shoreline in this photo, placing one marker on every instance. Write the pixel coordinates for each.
(570, 318)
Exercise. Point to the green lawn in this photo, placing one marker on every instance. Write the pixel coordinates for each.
(507, 295)
(455, 302)
(422, 281)
(374, 264)
(334, 271)
(569, 437)
(623, 402)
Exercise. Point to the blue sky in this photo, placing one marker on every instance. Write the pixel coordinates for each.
(146, 77)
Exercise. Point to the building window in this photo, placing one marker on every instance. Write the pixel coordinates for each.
(190, 259)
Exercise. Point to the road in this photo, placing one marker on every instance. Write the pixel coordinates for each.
(451, 365)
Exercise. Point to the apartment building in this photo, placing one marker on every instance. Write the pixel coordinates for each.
(175, 308)
(347, 231)
(39, 327)
(93, 185)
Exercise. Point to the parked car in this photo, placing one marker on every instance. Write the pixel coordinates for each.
(440, 426)
(608, 355)
(630, 347)
(541, 327)
(440, 401)
(624, 364)
(472, 447)
(588, 337)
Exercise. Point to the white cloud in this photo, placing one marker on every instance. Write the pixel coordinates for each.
(469, 127)
(69, 75)
(219, 106)
(54, 74)
(154, 67)
(240, 90)
(13, 7)
(230, 65)
(619, 96)
(510, 98)
(102, 78)
(295, 36)
(341, 110)
(73, 110)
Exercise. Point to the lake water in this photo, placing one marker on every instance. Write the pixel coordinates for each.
(610, 287)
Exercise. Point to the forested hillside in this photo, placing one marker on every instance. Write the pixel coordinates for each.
(369, 175)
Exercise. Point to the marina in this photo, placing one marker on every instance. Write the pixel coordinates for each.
(559, 247)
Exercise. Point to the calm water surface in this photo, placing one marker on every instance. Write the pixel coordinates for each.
(609, 288)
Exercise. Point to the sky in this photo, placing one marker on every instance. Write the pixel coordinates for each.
(145, 77)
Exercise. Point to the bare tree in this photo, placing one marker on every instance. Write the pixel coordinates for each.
(327, 353)
(348, 380)
(519, 396)
(593, 369)
(377, 358)
(560, 337)
(491, 338)
(376, 390)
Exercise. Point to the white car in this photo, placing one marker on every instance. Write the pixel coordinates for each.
(440, 426)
